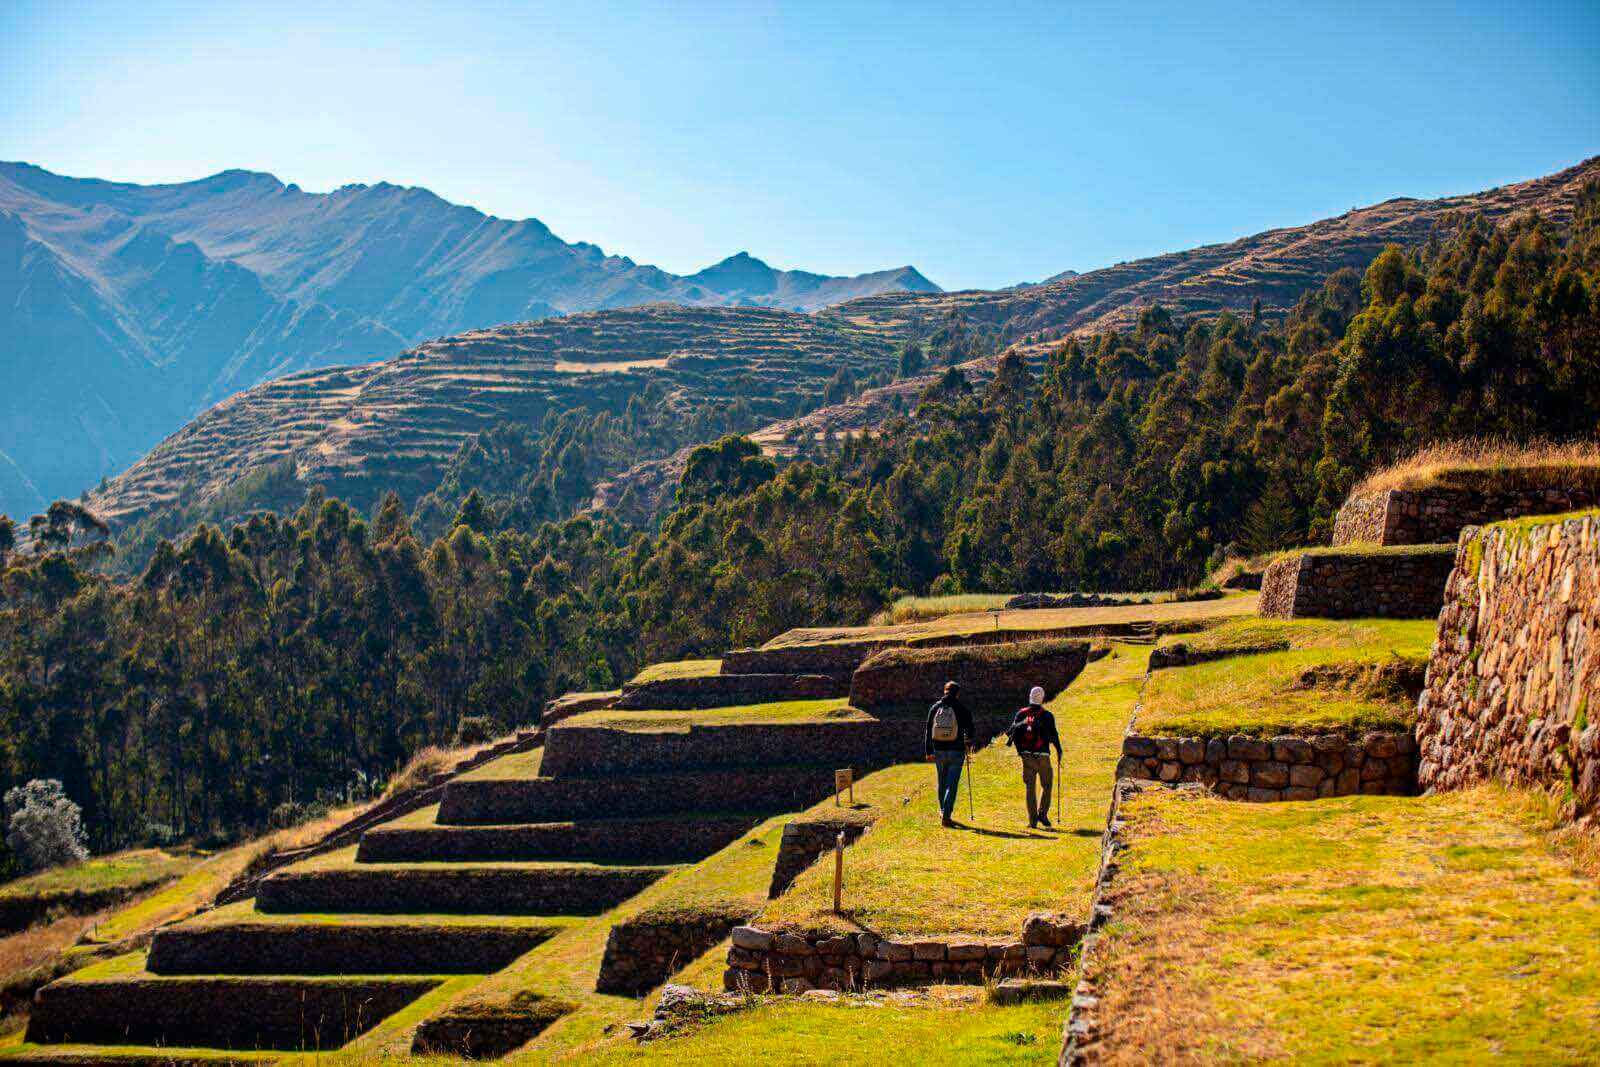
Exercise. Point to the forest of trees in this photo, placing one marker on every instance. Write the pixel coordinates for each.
(305, 655)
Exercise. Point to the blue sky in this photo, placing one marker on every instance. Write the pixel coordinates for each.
(987, 144)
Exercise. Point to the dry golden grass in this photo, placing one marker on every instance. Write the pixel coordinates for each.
(1478, 461)
(1447, 928)
(422, 766)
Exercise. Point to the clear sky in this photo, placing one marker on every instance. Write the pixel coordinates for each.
(987, 144)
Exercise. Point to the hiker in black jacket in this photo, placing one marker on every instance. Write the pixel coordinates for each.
(949, 738)
(1032, 733)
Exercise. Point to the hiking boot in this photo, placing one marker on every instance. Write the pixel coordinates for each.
(947, 821)
(1044, 821)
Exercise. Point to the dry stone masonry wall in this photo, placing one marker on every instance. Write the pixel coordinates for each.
(1513, 687)
(993, 678)
(644, 951)
(1434, 515)
(805, 839)
(1396, 583)
(725, 690)
(837, 660)
(763, 961)
(599, 750)
(1277, 768)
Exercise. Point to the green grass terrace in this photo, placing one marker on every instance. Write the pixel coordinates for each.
(1289, 676)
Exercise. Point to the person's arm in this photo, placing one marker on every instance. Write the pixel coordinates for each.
(968, 730)
(927, 733)
(1055, 736)
(1011, 731)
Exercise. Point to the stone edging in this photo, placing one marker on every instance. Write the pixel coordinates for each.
(1080, 1024)
(1286, 767)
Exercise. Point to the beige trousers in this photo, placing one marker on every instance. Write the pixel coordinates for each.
(1036, 768)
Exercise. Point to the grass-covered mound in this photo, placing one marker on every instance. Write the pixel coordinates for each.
(1310, 687)
(1359, 929)
(1480, 464)
(910, 877)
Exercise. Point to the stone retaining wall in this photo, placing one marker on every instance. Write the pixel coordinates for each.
(994, 678)
(762, 961)
(440, 889)
(1513, 687)
(805, 839)
(479, 1031)
(837, 660)
(1434, 515)
(644, 840)
(726, 690)
(518, 800)
(1396, 583)
(333, 948)
(599, 750)
(644, 951)
(570, 704)
(1277, 768)
(234, 1013)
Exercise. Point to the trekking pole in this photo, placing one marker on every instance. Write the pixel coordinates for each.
(970, 814)
(1061, 786)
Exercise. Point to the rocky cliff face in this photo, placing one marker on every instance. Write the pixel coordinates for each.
(125, 309)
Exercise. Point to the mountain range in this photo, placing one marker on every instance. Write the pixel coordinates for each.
(397, 424)
(126, 309)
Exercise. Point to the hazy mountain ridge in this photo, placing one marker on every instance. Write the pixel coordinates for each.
(125, 309)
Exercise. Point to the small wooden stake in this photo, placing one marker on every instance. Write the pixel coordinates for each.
(838, 873)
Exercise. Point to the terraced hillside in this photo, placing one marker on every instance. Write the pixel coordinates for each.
(1274, 267)
(361, 431)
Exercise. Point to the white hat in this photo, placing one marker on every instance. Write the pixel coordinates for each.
(1036, 695)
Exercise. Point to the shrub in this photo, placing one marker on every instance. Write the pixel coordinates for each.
(476, 730)
(44, 827)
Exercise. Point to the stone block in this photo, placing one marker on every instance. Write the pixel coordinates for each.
(1191, 750)
(749, 937)
(1305, 775)
(792, 945)
(1263, 796)
(927, 951)
(894, 951)
(966, 951)
(1139, 747)
(1249, 749)
(1270, 775)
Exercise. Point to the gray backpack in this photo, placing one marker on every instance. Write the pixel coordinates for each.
(946, 727)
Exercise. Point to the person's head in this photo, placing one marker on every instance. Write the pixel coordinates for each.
(1036, 695)
(951, 689)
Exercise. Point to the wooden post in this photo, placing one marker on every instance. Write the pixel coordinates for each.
(838, 873)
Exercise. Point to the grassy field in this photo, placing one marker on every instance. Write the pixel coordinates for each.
(910, 876)
(1359, 929)
(786, 711)
(1022, 620)
(683, 668)
(1257, 694)
(132, 870)
(921, 608)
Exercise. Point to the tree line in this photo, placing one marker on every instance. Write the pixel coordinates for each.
(304, 655)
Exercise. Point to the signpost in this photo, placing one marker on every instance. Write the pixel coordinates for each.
(843, 780)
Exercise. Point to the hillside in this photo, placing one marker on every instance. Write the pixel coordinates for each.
(129, 308)
(1275, 267)
(361, 431)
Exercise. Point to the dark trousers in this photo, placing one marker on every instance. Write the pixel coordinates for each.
(948, 764)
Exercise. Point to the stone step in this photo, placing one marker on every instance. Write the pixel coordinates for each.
(676, 839)
(260, 944)
(454, 888)
(578, 751)
(756, 790)
(258, 1012)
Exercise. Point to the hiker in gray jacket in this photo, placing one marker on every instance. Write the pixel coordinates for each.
(949, 738)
